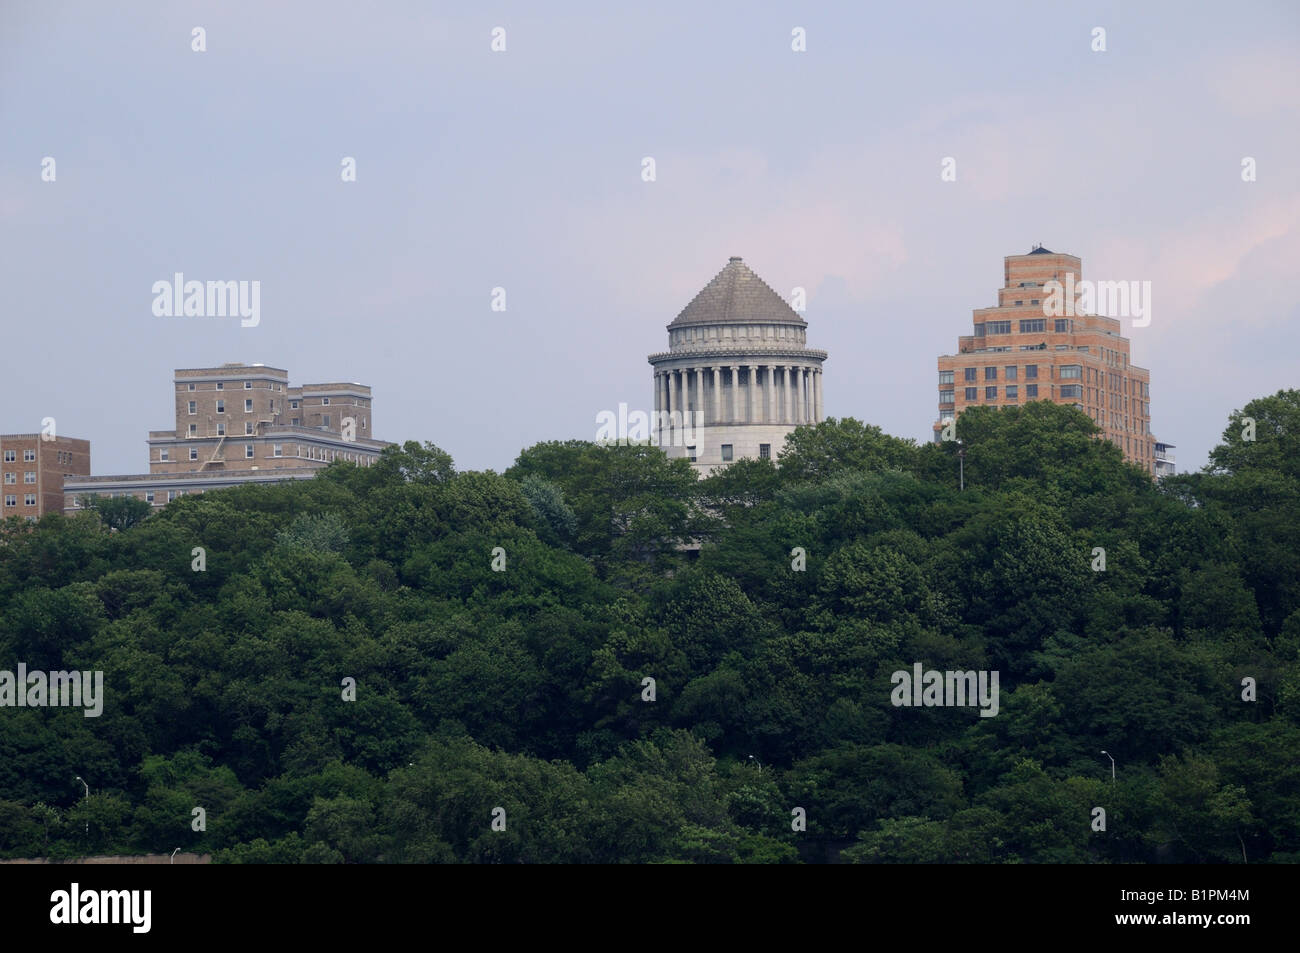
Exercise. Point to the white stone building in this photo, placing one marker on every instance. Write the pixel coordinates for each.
(737, 377)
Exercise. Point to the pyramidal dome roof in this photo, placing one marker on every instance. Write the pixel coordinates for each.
(737, 296)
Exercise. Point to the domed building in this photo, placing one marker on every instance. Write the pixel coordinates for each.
(737, 377)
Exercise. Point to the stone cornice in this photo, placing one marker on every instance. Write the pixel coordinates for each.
(738, 356)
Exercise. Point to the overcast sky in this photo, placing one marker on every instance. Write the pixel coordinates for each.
(522, 169)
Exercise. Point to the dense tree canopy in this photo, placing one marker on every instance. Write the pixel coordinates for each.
(595, 657)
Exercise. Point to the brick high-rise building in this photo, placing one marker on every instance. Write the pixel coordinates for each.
(243, 423)
(33, 467)
(1021, 351)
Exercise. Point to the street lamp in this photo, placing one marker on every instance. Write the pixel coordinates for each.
(173, 857)
(1112, 765)
(758, 764)
(961, 462)
(87, 787)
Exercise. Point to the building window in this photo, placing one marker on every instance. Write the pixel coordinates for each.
(11, 477)
(1012, 372)
(1033, 301)
(325, 421)
(325, 401)
(194, 453)
(190, 387)
(293, 405)
(969, 373)
(148, 496)
(726, 453)
(171, 495)
(221, 385)
(1020, 302)
(690, 452)
(990, 373)
(276, 450)
(11, 500)
(945, 396)
(11, 456)
(945, 377)
(1031, 390)
(765, 451)
(194, 408)
(1033, 325)
(1031, 372)
(979, 330)
(29, 499)
(1013, 392)
(295, 422)
(162, 455)
(221, 406)
(194, 430)
(1071, 390)
(999, 327)
(248, 385)
(29, 456)
(972, 394)
(990, 393)
(221, 429)
(248, 406)
(1071, 372)
(248, 428)
(1062, 325)
(248, 451)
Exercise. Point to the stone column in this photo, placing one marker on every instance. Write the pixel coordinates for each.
(654, 419)
(699, 391)
(771, 394)
(732, 414)
(817, 395)
(717, 394)
(805, 394)
(786, 416)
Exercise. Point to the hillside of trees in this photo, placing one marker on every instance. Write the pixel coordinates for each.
(500, 628)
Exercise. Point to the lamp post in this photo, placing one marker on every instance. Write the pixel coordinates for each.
(87, 787)
(961, 462)
(1112, 765)
(758, 764)
(173, 857)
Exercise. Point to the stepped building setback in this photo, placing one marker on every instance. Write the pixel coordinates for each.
(737, 364)
(243, 423)
(1019, 352)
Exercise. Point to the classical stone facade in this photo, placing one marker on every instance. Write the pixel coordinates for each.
(738, 376)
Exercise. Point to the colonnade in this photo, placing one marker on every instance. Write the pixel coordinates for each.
(742, 393)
